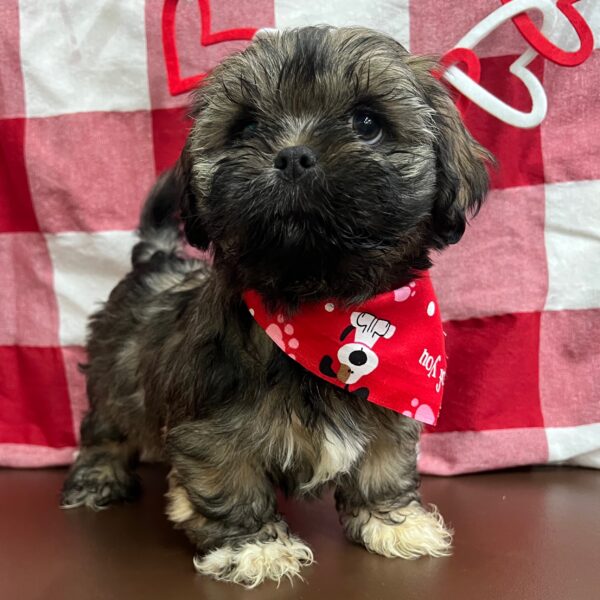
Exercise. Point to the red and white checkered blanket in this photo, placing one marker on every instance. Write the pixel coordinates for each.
(87, 122)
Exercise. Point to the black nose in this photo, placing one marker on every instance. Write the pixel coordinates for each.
(295, 161)
(357, 358)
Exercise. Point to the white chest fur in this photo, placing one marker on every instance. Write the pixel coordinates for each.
(336, 455)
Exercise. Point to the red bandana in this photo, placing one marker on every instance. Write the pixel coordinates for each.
(388, 350)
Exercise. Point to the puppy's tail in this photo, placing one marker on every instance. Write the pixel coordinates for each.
(159, 229)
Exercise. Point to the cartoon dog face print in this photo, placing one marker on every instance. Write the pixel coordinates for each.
(356, 356)
(355, 361)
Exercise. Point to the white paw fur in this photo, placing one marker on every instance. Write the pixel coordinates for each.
(254, 562)
(408, 532)
(179, 508)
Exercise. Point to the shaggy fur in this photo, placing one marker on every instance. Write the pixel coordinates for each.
(178, 367)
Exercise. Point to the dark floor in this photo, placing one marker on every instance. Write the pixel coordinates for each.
(530, 534)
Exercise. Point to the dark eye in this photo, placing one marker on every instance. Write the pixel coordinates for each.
(367, 127)
(244, 129)
(249, 129)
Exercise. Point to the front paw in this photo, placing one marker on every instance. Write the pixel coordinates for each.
(273, 557)
(408, 532)
(98, 485)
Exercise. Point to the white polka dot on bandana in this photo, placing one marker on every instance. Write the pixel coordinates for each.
(329, 307)
(252, 311)
(431, 308)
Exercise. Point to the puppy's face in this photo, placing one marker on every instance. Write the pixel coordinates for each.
(326, 163)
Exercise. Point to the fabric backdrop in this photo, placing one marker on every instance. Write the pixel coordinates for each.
(87, 122)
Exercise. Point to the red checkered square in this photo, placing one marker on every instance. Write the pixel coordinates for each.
(193, 57)
(29, 308)
(569, 367)
(90, 171)
(34, 399)
(500, 264)
(492, 378)
(469, 451)
(170, 127)
(518, 151)
(570, 140)
(16, 208)
(11, 96)
(436, 26)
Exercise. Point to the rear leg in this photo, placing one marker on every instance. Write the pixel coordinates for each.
(104, 471)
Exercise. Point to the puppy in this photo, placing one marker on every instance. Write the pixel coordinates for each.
(323, 164)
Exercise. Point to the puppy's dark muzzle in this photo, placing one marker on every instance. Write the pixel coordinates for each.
(295, 162)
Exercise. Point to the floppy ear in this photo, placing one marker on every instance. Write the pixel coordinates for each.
(462, 178)
(192, 224)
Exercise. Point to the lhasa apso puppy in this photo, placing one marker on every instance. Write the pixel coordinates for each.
(324, 165)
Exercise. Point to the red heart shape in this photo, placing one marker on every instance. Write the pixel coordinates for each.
(468, 58)
(177, 84)
(546, 48)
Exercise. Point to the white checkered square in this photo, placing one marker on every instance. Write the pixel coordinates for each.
(83, 56)
(565, 36)
(573, 245)
(86, 268)
(390, 17)
(578, 445)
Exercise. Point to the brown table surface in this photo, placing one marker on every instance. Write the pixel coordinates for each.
(524, 534)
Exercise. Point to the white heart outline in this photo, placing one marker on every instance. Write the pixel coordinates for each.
(482, 97)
